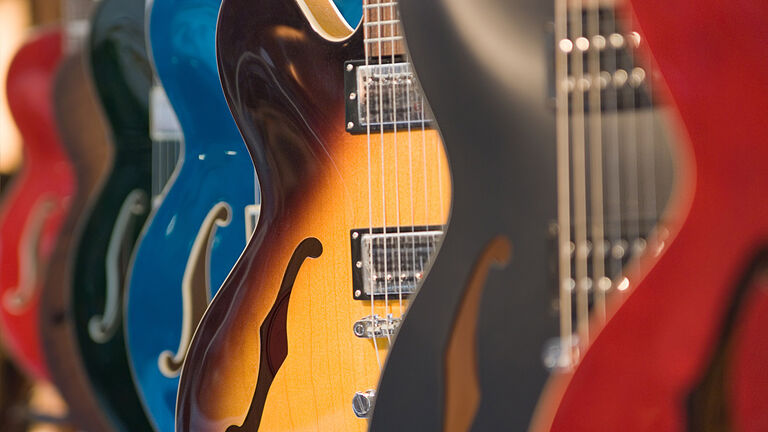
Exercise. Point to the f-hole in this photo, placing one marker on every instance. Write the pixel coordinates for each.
(274, 337)
(462, 389)
(708, 403)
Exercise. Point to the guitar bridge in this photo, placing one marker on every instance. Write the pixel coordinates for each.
(391, 262)
(374, 326)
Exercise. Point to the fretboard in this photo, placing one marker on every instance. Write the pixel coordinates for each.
(382, 32)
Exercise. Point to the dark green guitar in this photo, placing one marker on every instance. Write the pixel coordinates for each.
(122, 77)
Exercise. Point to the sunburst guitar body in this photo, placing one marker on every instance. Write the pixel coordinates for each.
(33, 208)
(352, 212)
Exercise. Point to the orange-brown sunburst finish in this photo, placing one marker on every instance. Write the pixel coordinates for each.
(315, 181)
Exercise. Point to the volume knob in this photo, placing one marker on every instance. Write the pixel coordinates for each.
(362, 403)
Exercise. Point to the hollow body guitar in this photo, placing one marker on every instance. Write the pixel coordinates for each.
(293, 336)
(122, 76)
(83, 133)
(35, 204)
(206, 217)
(207, 213)
(676, 350)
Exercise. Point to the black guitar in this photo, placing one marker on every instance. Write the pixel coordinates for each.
(122, 75)
(485, 325)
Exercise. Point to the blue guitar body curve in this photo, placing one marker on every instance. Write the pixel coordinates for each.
(215, 170)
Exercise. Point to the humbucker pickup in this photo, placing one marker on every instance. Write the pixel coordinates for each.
(391, 263)
(385, 95)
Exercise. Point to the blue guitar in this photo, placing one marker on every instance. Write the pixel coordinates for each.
(208, 211)
(204, 219)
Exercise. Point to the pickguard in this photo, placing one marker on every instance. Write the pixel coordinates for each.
(274, 336)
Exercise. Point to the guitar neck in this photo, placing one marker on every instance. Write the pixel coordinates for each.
(382, 31)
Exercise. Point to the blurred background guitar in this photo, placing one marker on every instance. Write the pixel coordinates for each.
(81, 125)
(122, 75)
(205, 215)
(33, 208)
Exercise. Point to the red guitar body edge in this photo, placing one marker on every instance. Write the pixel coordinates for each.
(36, 203)
(708, 282)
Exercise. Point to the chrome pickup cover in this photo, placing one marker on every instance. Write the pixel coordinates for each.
(391, 262)
(384, 95)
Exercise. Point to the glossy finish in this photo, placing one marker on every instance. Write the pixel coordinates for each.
(351, 10)
(34, 206)
(496, 118)
(706, 290)
(284, 85)
(84, 135)
(201, 223)
(660, 354)
(122, 75)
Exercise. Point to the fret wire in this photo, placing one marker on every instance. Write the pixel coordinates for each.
(384, 39)
(379, 5)
(385, 22)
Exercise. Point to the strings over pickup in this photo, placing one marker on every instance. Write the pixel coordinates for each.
(383, 95)
(391, 263)
(622, 79)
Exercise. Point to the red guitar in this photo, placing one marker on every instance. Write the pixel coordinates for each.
(36, 202)
(687, 348)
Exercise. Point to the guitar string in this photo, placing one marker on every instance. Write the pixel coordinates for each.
(633, 211)
(409, 86)
(613, 187)
(578, 161)
(380, 38)
(639, 203)
(422, 264)
(653, 205)
(393, 19)
(366, 37)
(649, 209)
(597, 43)
(647, 213)
(624, 146)
(563, 45)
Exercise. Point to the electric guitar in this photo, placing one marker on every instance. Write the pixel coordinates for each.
(206, 215)
(212, 206)
(355, 191)
(35, 204)
(122, 75)
(668, 342)
(84, 135)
